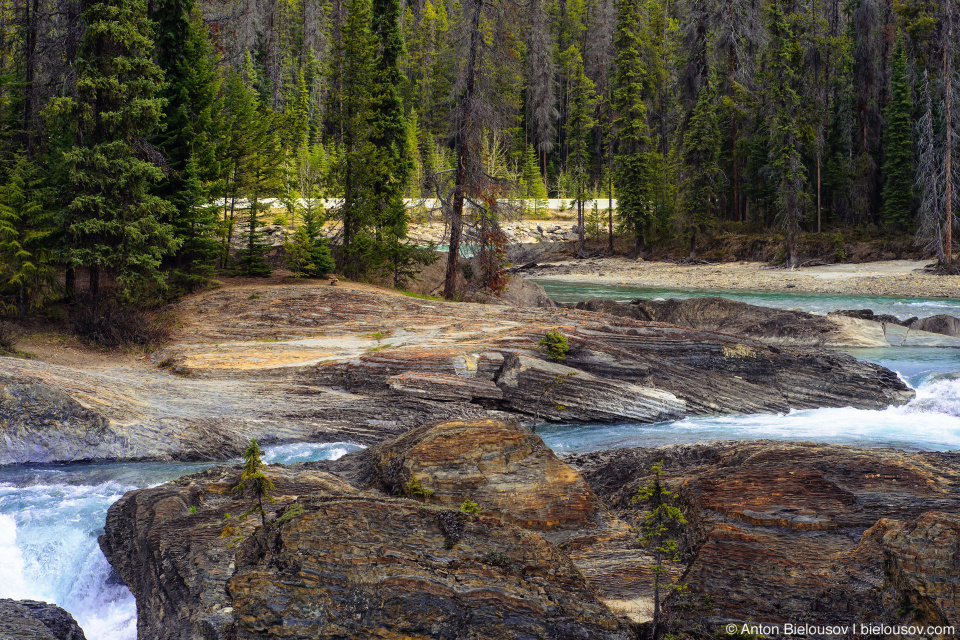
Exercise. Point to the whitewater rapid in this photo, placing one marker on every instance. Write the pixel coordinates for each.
(50, 518)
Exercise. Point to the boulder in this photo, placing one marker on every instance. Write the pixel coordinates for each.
(503, 467)
(167, 543)
(942, 324)
(32, 620)
(336, 561)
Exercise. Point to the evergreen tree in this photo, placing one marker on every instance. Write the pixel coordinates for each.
(357, 212)
(535, 190)
(113, 222)
(238, 152)
(701, 162)
(898, 146)
(188, 137)
(789, 129)
(26, 231)
(630, 124)
(265, 179)
(659, 531)
(580, 123)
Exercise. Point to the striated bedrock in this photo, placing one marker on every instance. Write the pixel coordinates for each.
(379, 568)
(32, 620)
(795, 532)
(325, 364)
(346, 562)
(787, 327)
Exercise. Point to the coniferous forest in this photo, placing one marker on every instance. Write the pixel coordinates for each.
(144, 144)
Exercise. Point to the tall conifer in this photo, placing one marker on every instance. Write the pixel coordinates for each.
(898, 146)
(113, 221)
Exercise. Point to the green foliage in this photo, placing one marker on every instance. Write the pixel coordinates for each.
(659, 530)
(254, 481)
(469, 506)
(556, 345)
(413, 490)
(26, 239)
(898, 165)
(700, 191)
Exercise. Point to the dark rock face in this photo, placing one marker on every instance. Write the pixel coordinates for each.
(868, 314)
(175, 562)
(376, 568)
(31, 620)
(946, 325)
(783, 530)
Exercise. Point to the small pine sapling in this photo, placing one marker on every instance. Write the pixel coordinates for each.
(556, 345)
(254, 481)
(658, 532)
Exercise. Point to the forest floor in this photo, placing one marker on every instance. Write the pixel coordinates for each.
(894, 278)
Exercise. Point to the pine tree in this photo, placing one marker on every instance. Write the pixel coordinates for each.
(700, 189)
(238, 152)
(255, 481)
(357, 212)
(113, 221)
(898, 145)
(265, 179)
(26, 231)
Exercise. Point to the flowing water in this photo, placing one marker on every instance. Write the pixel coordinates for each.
(903, 308)
(50, 516)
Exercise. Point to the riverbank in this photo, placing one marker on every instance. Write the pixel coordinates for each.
(894, 278)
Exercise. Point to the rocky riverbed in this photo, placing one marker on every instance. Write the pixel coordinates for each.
(311, 362)
(776, 532)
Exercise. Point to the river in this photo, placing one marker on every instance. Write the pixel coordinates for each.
(50, 516)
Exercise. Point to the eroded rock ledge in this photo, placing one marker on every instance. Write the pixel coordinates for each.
(791, 532)
(777, 532)
(319, 363)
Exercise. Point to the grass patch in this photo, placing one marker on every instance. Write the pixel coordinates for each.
(420, 296)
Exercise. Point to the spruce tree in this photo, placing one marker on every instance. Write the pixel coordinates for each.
(392, 165)
(700, 189)
(188, 137)
(898, 146)
(580, 123)
(630, 124)
(113, 221)
(26, 232)
(355, 76)
(788, 122)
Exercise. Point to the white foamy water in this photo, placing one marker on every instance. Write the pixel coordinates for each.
(931, 421)
(50, 518)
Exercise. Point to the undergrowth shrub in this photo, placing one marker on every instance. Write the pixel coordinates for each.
(113, 326)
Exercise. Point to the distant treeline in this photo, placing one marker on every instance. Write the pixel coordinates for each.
(138, 139)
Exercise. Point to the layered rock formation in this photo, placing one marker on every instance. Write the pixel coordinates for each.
(788, 533)
(777, 533)
(318, 363)
(338, 561)
(32, 620)
(786, 327)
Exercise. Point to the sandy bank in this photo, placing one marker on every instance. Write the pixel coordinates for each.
(894, 278)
